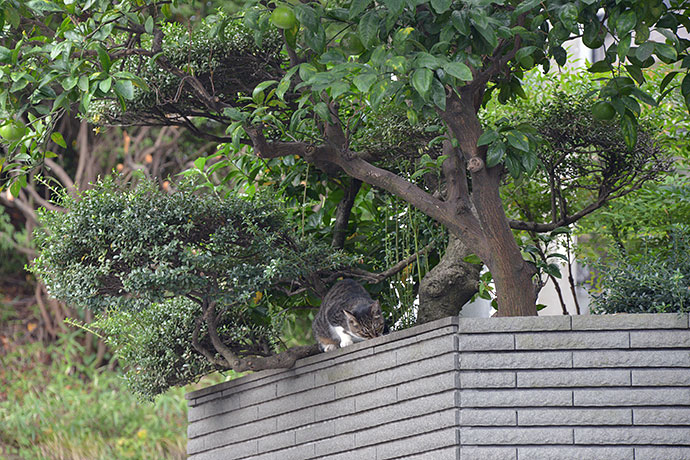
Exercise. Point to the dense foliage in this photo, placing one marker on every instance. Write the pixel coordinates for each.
(171, 273)
(654, 278)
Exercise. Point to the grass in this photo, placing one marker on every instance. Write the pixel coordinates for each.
(53, 406)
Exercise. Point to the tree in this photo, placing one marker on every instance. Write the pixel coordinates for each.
(308, 90)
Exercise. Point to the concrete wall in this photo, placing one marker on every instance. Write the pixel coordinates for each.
(588, 387)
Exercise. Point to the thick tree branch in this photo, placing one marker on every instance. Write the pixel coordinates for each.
(282, 360)
(204, 352)
(330, 160)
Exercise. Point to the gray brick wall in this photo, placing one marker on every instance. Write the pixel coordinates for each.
(589, 387)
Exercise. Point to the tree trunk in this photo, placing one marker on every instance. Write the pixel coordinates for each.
(516, 294)
(449, 285)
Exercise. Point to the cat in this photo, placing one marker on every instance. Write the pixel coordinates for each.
(347, 315)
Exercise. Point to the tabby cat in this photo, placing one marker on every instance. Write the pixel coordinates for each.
(347, 314)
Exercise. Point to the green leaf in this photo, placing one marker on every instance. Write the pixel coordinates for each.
(284, 84)
(518, 140)
(426, 60)
(644, 96)
(43, 6)
(629, 129)
(495, 154)
(440, 6)
(378, 92)
(600, 67)
(513, 165)
(339, 88)
(461, 22)
(488, 34)
(472, 259)
(624, 46)
(560, 231)
(307, 17)
(306, 71)
(560, 55)
(322, 111)
(479, 18)
(257, 94)
(685, 86)
(626, 22)
(636, 73)
(525, 6)
(594, 34)
(667, 79)
(316, 40)
(369, 28)
(641, 33)
(104, 85)
(58, 139)
(69, 82)
(412, 117)
(15, 188)
(438, 94)
(568, 16)
(125, 89)
(666, 52)
(104, 58)
(357, 7)
(644, 51)
(421, 81)
(529, 162)
(83, 83)
(487, 137)
(363, 81)
(148, 25)
(199, 163)
(458, 70)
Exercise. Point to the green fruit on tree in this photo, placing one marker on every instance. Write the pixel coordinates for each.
(283, 17)
(603, 110)
(351, 44)
(13, 131)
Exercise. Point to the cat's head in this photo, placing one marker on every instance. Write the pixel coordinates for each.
(365, 323)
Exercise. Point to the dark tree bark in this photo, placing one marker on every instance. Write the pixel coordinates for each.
(449, 285)
(342, 213)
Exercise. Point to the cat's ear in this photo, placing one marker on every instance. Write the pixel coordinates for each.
(351, 319)
(375, 308)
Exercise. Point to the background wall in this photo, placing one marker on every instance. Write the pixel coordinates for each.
(583, 387)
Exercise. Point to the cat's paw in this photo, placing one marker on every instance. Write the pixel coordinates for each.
(345, 341)
(330, 347)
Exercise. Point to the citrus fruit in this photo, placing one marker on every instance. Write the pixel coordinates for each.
(13, 131)
(283, 17)
(603, 110)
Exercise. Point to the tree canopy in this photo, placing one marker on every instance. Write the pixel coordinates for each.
(321, 88)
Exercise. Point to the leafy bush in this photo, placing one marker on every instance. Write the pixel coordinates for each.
(182, 282)
(654, 280)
